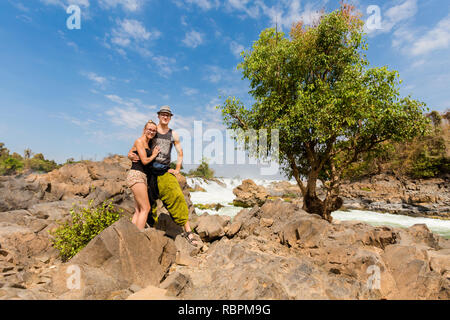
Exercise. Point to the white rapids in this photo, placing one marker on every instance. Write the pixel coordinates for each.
(218, 193)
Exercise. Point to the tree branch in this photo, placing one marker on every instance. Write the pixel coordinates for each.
(296, 173)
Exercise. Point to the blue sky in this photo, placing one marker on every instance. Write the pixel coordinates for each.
(87, 93)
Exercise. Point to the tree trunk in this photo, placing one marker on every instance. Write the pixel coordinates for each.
(312, 203)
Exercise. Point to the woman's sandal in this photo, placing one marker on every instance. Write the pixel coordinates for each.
(192, 241)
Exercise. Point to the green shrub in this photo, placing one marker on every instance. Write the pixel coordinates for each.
(71, 237)
(202, 171)
(10, 166)
(424, 157)
(426, 165)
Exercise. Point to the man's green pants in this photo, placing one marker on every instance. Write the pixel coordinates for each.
(171, 195)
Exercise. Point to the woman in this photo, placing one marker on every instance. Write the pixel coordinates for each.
(136, 176)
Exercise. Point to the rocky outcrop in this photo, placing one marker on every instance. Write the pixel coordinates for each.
(270, 250)
(31, 206)
(17, 193)
(283, 188)
(119, 257)
(26, 254)
(386, 193)
(249, 194)
(282, 252)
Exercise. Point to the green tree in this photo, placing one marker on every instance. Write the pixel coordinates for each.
(39, 156)
(27, 153)
(10, 166)
(17, 156)
(203, 170)
(4, 152)
(330, 108)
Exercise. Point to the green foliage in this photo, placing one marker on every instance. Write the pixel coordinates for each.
(202, 171)
(4, 152)
(329, 107)
(71, 237)
(40, 164)
(15, 163)
(210, 206)
(10, 166)
(423, 157)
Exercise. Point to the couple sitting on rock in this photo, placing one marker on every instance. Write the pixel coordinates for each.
(150, 176)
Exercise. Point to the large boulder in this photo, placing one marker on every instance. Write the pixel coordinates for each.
(211, 227)
(413, 276)
(279, 251)
(249, 194)
(283, 188)
(117, 258)
(17, 193)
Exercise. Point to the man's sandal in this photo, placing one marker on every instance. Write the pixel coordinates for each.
(191, 240)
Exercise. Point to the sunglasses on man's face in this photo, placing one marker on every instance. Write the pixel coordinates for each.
(168, 115)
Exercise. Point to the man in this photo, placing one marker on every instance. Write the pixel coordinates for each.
(169, 189)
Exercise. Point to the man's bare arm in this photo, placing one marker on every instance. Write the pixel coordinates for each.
(179, 149)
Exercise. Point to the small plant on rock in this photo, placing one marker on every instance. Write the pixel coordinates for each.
(86, 223)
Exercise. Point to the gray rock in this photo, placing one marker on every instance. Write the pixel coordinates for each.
(118, 257)
(175, 283)
(211, 227)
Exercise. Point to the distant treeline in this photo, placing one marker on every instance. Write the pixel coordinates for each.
(424, 157)
(15, 163)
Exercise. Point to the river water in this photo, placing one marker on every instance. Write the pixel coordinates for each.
(218, 193)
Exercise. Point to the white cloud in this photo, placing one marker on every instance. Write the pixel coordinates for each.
(242, 5)
(24, 18)
(129, 117)
(129, 5)
(67, 3)
(397, 14)
(214, 74)
(165, 65)
(203, 4)
(435, 39)
(183, 21)
(132, 34)
(291, 12)
(129, 112)
(20, 6)
(190, 91)
(78, 122)
(417, 42)
(394, 16)
(99, 80)
(193, 39)
(418, 63)
(236, 48)
(72, 44)
(128, 30)
(284, 13)
(116, 99)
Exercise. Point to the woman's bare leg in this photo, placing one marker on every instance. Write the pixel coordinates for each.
(143, 204)
(136, 213)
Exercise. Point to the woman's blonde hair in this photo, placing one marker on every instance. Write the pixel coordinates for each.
(149, 122)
